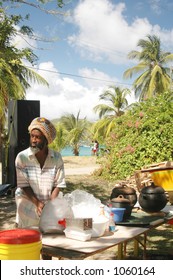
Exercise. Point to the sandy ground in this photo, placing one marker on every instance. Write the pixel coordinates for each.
(84, 165)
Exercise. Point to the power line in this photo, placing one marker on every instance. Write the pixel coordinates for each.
(97, 47)
(79, 76)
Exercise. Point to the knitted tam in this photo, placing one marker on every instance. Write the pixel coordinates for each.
(45, 126)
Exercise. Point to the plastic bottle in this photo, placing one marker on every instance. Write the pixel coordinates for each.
(102, 212)
(111, 222)
(104, 218)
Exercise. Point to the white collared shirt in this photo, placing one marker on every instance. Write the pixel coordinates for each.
(41, 180)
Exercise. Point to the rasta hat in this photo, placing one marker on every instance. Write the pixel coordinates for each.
(45, 126)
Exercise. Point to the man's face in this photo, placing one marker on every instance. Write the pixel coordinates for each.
(37, 139)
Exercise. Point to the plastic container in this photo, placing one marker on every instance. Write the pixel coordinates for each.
(99, 227)
(163, 178)
(78, 235)
(118, 214)
(20, 244)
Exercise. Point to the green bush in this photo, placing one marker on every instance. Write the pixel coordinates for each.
(142, 136)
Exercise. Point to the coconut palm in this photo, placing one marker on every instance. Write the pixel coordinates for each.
(60, 141)
(15, 77)
(116, 102)
(154, 74)
(76, 128)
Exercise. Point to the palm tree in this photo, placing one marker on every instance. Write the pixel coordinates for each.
(76, 128)
(117, 102)
(102, 128)
(60, 141)
(154, 75)
(15, 77)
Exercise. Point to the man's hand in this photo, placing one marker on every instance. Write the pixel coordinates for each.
(31, 196)
(40, 206)
(54, 193)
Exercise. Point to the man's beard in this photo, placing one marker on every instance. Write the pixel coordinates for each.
(38, 147)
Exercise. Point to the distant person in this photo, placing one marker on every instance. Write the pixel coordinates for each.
(95, 148)
(40, 173)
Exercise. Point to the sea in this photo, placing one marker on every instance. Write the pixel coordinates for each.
(83, 151)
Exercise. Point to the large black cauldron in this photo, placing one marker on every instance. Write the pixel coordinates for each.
(152, 198)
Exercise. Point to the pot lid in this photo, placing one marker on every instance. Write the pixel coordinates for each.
(120, 199)
(124, 190)
(152, 189)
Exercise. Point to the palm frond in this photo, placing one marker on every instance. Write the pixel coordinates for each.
(153, 74)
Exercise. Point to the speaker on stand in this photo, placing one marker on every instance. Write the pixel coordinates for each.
(20, 115)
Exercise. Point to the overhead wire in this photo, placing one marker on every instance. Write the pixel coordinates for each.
(78, 76)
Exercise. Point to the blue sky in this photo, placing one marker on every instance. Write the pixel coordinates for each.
(91, 41)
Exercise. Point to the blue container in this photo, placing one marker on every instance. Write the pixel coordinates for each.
(118, 214)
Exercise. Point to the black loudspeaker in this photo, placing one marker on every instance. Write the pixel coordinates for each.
(20, 115)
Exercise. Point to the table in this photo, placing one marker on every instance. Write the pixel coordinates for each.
(57, 245)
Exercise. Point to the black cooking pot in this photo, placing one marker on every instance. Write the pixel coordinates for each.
(127, 192)
(122, 202)
(152, 198)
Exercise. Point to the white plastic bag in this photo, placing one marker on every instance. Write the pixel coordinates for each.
(83, 204)
(53, 212)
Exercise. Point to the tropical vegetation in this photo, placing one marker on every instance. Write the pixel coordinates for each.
(40, 4)
(115, 106)
(75, 129)
(141, 137)
(15, 77)
(153, 68)
(117, 102)
(60, 141)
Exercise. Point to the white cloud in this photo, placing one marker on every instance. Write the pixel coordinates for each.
(96, 78)
(64, 96)
(104, 33)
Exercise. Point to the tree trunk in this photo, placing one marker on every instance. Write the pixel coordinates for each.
(76, 151)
